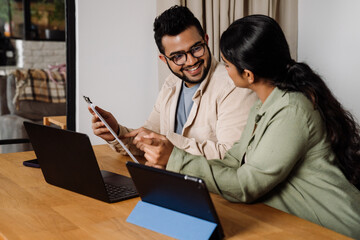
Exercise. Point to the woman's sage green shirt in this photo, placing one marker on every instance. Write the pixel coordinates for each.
(285, 162)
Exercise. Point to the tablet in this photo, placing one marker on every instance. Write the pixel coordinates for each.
(110, 129)
(180, 193)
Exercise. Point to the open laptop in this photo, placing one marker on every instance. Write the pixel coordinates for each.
(67, 160)
(181, 193)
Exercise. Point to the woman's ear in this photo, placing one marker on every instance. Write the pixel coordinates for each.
(249, 76)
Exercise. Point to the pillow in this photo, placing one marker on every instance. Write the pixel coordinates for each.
(34, 110)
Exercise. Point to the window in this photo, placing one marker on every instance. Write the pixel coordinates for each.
(33, 19)
(4, 17)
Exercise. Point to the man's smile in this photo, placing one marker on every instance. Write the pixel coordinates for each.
(195, 69)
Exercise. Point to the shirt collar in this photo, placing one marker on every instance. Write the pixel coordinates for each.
(270, 100)
(194, 88)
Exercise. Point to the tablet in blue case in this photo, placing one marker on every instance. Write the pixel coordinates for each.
(173, 204)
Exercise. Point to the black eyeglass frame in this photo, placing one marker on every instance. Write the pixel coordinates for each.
(204, 45)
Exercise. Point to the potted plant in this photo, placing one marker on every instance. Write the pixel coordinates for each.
(56, 20)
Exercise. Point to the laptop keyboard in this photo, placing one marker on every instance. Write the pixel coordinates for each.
(118, 193)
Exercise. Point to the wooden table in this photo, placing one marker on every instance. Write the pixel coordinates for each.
(32, 209)
(57, 120)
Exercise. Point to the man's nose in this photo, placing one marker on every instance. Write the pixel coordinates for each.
(190, 60)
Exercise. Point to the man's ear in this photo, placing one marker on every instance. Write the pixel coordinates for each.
(249, 76)
(162, 58)
(206, 38)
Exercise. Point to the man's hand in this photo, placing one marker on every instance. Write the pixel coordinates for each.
(99, 127)
(157, 147)
(138, 134)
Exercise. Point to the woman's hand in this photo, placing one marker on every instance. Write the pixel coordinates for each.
(157, 148)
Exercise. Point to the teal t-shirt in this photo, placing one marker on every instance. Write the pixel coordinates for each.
(184, 106)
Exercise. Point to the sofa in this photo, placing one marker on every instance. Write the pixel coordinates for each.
(28, 95)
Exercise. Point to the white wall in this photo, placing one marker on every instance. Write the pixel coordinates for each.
(329, 41)
(117, 55)
(116, 60)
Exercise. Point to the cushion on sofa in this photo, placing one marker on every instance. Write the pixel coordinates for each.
(32, 95)
(39, 85)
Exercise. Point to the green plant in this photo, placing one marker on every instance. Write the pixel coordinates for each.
(57, 17)
(4, 13)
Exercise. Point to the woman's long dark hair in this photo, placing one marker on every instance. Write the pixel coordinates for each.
(258, 44)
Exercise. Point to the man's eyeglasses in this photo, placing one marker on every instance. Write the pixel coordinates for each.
(180, 58)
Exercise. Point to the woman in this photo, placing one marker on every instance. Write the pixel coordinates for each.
(300, 150)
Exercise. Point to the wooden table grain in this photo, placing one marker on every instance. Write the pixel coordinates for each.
(32, 209)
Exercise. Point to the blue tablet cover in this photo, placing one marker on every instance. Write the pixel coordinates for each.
(169, 222)
(173, 204)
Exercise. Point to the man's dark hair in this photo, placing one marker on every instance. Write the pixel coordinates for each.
(174, 21)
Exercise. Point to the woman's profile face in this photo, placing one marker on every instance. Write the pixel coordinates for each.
(234, 74)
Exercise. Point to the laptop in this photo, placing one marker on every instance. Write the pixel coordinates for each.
(181, 193)
(67, 160)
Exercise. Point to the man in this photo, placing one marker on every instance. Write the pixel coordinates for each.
(198, 109)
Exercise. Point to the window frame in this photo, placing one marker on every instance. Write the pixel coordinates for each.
(70, 39)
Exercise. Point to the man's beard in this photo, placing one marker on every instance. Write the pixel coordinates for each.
(186, 79)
